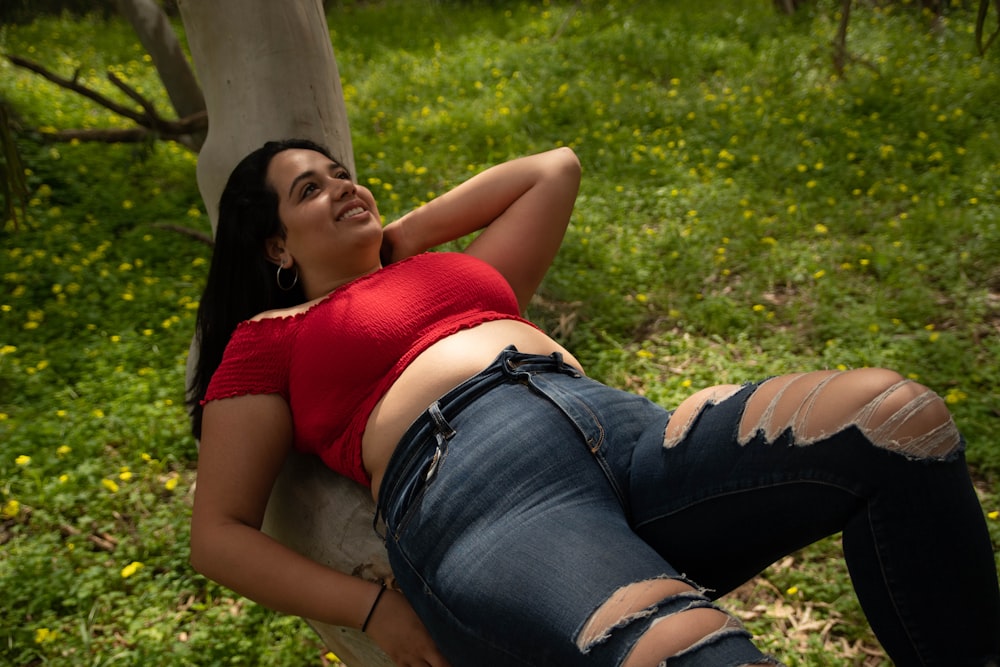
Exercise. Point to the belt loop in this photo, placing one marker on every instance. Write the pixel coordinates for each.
(441, 426)
(443, 432)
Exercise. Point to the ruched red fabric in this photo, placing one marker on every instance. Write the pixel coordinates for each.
(335, 361)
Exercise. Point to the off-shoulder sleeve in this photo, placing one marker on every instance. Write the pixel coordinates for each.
(256, 361)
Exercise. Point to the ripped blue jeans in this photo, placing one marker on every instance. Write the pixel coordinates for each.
(527, 507)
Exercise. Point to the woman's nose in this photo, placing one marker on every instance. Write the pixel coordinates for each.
(347, 189)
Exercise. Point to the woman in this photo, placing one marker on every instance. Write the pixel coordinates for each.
(532, 515)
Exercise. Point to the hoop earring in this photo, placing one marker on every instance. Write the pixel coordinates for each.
(283, 288)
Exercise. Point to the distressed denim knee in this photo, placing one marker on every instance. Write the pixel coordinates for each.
(681, 627)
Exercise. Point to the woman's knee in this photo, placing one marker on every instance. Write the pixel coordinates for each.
(909, 418)
(682, 623)
(892, 412)
(682, 633)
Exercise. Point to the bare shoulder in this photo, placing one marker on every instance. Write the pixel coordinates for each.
(281, 313)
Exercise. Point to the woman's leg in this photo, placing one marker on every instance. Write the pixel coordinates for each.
(753, 473)
(505, 533)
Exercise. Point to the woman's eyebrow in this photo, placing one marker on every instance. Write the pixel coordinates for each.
(298, 179)
(334, 166)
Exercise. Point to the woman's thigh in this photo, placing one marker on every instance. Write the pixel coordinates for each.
(519, 549)
(745, 495)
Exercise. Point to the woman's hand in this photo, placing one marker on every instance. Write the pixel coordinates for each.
(395, 627)
(395, 244)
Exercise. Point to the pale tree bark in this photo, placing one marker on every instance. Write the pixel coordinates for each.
(157, 36)
(267, 70)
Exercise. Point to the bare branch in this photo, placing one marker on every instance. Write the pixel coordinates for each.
(984, 8)
(159, 38)
(71, 84)
(151, 124)
(186, 231)
(146, 105)
(174, 130)
(840, 55)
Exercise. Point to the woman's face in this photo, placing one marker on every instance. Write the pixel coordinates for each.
(333, 230)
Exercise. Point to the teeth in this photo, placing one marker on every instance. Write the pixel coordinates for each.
(354, 211)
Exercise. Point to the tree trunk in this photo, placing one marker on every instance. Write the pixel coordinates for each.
(268, 72)
(159, 39)
(328, 518)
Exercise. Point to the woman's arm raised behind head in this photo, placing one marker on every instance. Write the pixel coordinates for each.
(523, 207)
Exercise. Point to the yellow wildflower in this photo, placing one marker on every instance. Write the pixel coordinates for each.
(954, 396)
(44, 635)
(11, 509)
(131, 569)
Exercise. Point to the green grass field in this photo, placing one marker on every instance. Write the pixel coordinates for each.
(744, 212)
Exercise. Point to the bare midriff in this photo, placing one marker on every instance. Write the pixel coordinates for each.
(439, 368)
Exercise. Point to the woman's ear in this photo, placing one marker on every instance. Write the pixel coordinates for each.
(274, 250)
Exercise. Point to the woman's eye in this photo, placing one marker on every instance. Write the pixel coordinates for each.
(308, 189)
(344, 175)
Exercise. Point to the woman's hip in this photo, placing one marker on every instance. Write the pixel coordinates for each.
(507, 428)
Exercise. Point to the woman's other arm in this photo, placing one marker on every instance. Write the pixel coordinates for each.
(522, 206)
(244, 444)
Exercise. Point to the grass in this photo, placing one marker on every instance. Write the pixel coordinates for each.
(743, 213)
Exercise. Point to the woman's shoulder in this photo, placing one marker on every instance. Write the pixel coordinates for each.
(269, 326)
(285, 313)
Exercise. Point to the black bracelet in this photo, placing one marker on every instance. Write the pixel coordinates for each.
(364, 626)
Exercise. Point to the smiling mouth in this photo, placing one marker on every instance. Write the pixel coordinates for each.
(351, 212)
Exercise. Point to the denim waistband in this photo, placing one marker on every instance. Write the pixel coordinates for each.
(431, 426)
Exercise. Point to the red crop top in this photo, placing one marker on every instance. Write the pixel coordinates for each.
(335, 361)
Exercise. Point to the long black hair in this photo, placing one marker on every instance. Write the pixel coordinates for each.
(241, 279)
